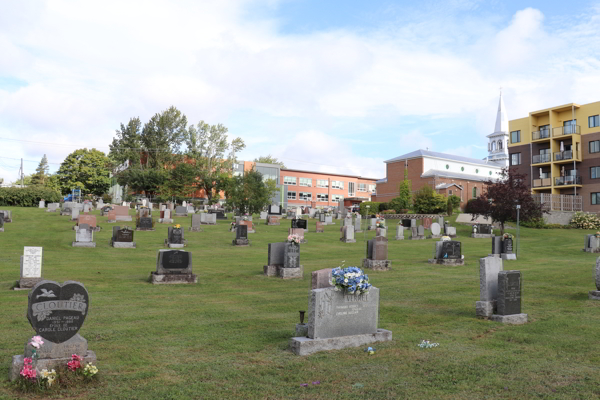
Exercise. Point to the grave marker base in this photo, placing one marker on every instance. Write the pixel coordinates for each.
(594, 295)
(48, 363)
(241, 242)
(284, 273)
(175, 246)
(508, 256)
(27, 283)
(165, 220)
(342, 240)
(434, 237)
(124, 218)
(513, 319)
(172, 279)
(84, 244)
(377, 265)
(447, 261)
(399, 237)
(482, 235)
(123, 245)
(195, 229)
(303, 346)
(422, 237)
(485, 309)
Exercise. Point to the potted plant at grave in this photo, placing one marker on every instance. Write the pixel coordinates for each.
(597, 234)
(380, 224)
(294, 239)
(507, 236)
(350, 280)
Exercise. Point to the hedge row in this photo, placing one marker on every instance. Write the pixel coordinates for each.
(28, 197)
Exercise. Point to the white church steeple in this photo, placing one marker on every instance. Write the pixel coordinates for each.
(498, 141)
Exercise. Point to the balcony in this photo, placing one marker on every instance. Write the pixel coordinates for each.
(565, 155)
(542, 182)
(568, 180)
(566, 130)
(541, 134)
(541, 158)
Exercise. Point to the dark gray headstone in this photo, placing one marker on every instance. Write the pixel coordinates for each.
(497, 245)
(174, 262)
(114, 233)
(175, 235)
(56, 312)
(124, 235)
(370, 249)
(485, 229)
(322, 217)
(180, 210)
(145, 223)
(507, 246)
(242, 232)
(509, 292)
(276, 252)
(301, 223)
(380, 248)
(406, 223)
(291, 256)
(1, 220)
(451, 249)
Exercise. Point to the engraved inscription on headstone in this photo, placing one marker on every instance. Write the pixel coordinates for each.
(145, 223)
(291, 257)
(451, 249)
(242, 232)
(301, 223)
(124, 235)
(507, 246)
(176, 235)
(509, 292)
(32, 262)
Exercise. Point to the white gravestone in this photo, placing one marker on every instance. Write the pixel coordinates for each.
(32, 262)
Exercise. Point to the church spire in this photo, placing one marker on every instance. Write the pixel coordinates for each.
(501, 118)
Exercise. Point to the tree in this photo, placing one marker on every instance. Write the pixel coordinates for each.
(127, 146)
(41, 172)
(85, 169)
(501, 198)
(269, 159)
(162, 137)
(249, 193)
(427, 201)
(181, 181)
(404, 199)
(138, 179)
(213, 156)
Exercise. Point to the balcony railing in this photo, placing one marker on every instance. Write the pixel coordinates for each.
(542, 182)
(568, 180)
(541, 158)
(559, 202)
(541, 134)
(566, 130)
(565, 155)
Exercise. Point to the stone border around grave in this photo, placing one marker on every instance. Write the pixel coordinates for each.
(84, 244)
(173, 279)
(123, 245)
(284, 273)
(377, 265)
(240, 242)
(303, 346)
(513, 319)
(482, 235)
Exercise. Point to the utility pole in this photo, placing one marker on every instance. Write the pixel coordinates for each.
(22, 172)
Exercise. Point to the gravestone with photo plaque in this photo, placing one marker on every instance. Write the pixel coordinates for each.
(173, 267)
(56, 312)
(509, 299)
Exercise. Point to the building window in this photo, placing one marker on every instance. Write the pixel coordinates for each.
(595, 146)
(372, 188)
(595, 172)
(289, 180)
(515, 159)
(462, 168)
(450, 192)
(447, 166)
(594, 121)
(515, 136)
(596, 198)
(475, 192)
(322, 183)
(305, 196)
(324, 197)
(499, 144)
(362, 187)
(351, 192)
(337, 185)
(336, 198)
(490, 172)
(306, 182)
(291, 195)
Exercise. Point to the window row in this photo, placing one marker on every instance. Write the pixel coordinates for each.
(321, 197)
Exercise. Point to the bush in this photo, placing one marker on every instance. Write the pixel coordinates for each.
(373, 210)
(389, 212)
(454, 200)
(585, 221)
(107, 198)
(383, 206)
(29, 196)
(536, 223)
(449, 208)
(426, 201)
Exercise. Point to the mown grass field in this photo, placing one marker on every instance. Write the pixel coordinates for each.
(227, 336)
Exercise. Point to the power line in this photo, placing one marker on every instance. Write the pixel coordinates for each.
(9, 158)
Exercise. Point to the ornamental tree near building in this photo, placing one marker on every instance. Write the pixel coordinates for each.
(501, 197)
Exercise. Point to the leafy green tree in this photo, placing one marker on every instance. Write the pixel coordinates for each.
(404, 199)
(427, 201)
(269, 159)
(162, 137)
(41, 172)
(127, 146)
(213, 156)
(249, 193)
(181, 181)
(454, 200)
(147, 180)
(85, 169)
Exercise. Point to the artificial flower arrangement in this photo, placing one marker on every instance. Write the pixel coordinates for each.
(507, 236)
(351, 280)
(597, 234)
(380, 224)
(446, 238)
(46, 378)
(293, 239)
(177, 226)
(245, 218)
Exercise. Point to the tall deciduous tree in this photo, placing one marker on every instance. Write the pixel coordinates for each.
(501, 197)
(269, 159)
(181, 180)
(41, 172)
(86, 169)
(127, 146)
(427, 201)
(147, 180)
(404, 199)
(249, 193)
(213, 156)
(162, 137)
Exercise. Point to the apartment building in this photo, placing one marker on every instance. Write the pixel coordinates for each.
(558, 149)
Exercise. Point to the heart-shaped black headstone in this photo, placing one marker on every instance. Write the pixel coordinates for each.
(57, 312)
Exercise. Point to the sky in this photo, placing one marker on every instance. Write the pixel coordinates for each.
(333, 86)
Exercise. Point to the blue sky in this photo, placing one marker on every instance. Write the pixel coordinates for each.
(331, 86)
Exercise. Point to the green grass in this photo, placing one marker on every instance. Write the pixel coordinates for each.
(227, 336)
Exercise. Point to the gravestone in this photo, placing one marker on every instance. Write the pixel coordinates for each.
(357, 224)
(381, 232)
(31, 267)
(111, 216)
(377, 254)
(263, 215)
(418, 232)
(52, 207)
(427, 222)
(66, 210)
(298, 232)
(322, 217)
(181, 211)
(87, 207)
(302, 224)
(274, 209)
(451, 250)
(485, 229)
(413, 223)
(441, 221)
(145, 224)
(122, 238)
(281, 261)
(173, 267)
(447, 252)
(496, 246)
(42, 204)
(89, 220)
(196, 222)
(1, 222)
(105, 210)
(507, 249)
(509, 299)
(208, 219)
(122, 213)
(74, 214)
(99, 204)
(321, 278)
(143, 212)
(348, 234)
(435, 230)
(328, 220)
(407, 223)
(241, 236)
(249, 224)
(320, 226)
(273, 220)
(166, 219)
(372, 224)
(450, 231)
(399, 232)
(175, 239)
(56, 312)
(84, 237)
(348, 221)
(595, 294)
(291, 256)
(220, 214)
(337, 321)
(489, 268)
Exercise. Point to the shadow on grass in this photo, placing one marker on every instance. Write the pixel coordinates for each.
(579, 296)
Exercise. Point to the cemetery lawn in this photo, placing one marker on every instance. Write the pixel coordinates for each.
(227, 336)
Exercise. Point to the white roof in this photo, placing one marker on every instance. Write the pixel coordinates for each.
(443, 156)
